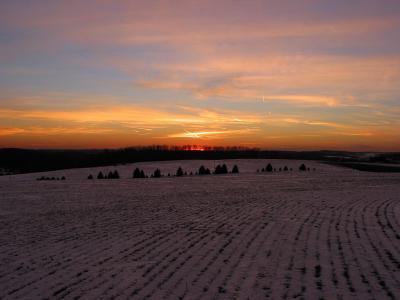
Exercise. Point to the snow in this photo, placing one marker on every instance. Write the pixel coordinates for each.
(332, 233)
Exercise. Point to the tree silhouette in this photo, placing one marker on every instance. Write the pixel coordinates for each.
(115, 175)
(90, 176)
(136, 173)
(63, 178)
(142, 174)
(179, 172)
(302, 167)
(157, 173)
(202, 170)
(221, 169)
(285, 168)
(235, 169)
(269, 168)
(100, 175)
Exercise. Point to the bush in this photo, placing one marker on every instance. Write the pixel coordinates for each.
(268, 168)
(285, 168)
(221, 169)
(110, 175)
(100, 175)
(235, 169)
(202, 170)
(179, 172)
(303, 167)
(63, 178)
(90, 176)
(157, 173)
(115, 175)
(136, 173)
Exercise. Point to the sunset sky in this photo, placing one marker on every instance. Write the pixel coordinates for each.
(298, 74)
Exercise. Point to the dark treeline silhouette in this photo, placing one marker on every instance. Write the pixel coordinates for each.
(26, 160)
(51, 178)
(111, 175)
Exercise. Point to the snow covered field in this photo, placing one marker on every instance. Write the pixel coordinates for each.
(333, 233)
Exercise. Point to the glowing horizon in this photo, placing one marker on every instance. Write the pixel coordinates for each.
(297, 75)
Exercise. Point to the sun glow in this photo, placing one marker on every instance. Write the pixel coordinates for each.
(193, 148)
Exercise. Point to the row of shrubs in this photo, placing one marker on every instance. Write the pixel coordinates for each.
(111, 175)
(269, 168)
(51, 178)
(219, 169)
(138, 173)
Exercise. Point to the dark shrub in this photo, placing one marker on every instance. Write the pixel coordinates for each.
(191, 173)
(110, 175)
(179, 172)
(137, 173)
(302, 167)
(280, 169)
(90, 176)
(157, 173)
(269, 168)
(208, 172)
(285, 168)
(63, 178)
(221, 169)
(53, 178)
(142, 174)
(217, 169)
(202, 170)
(235, 169)
(262, 170)
(115, 175)
(100, 175)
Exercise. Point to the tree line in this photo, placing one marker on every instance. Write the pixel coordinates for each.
(219, 169)
(27, 160)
